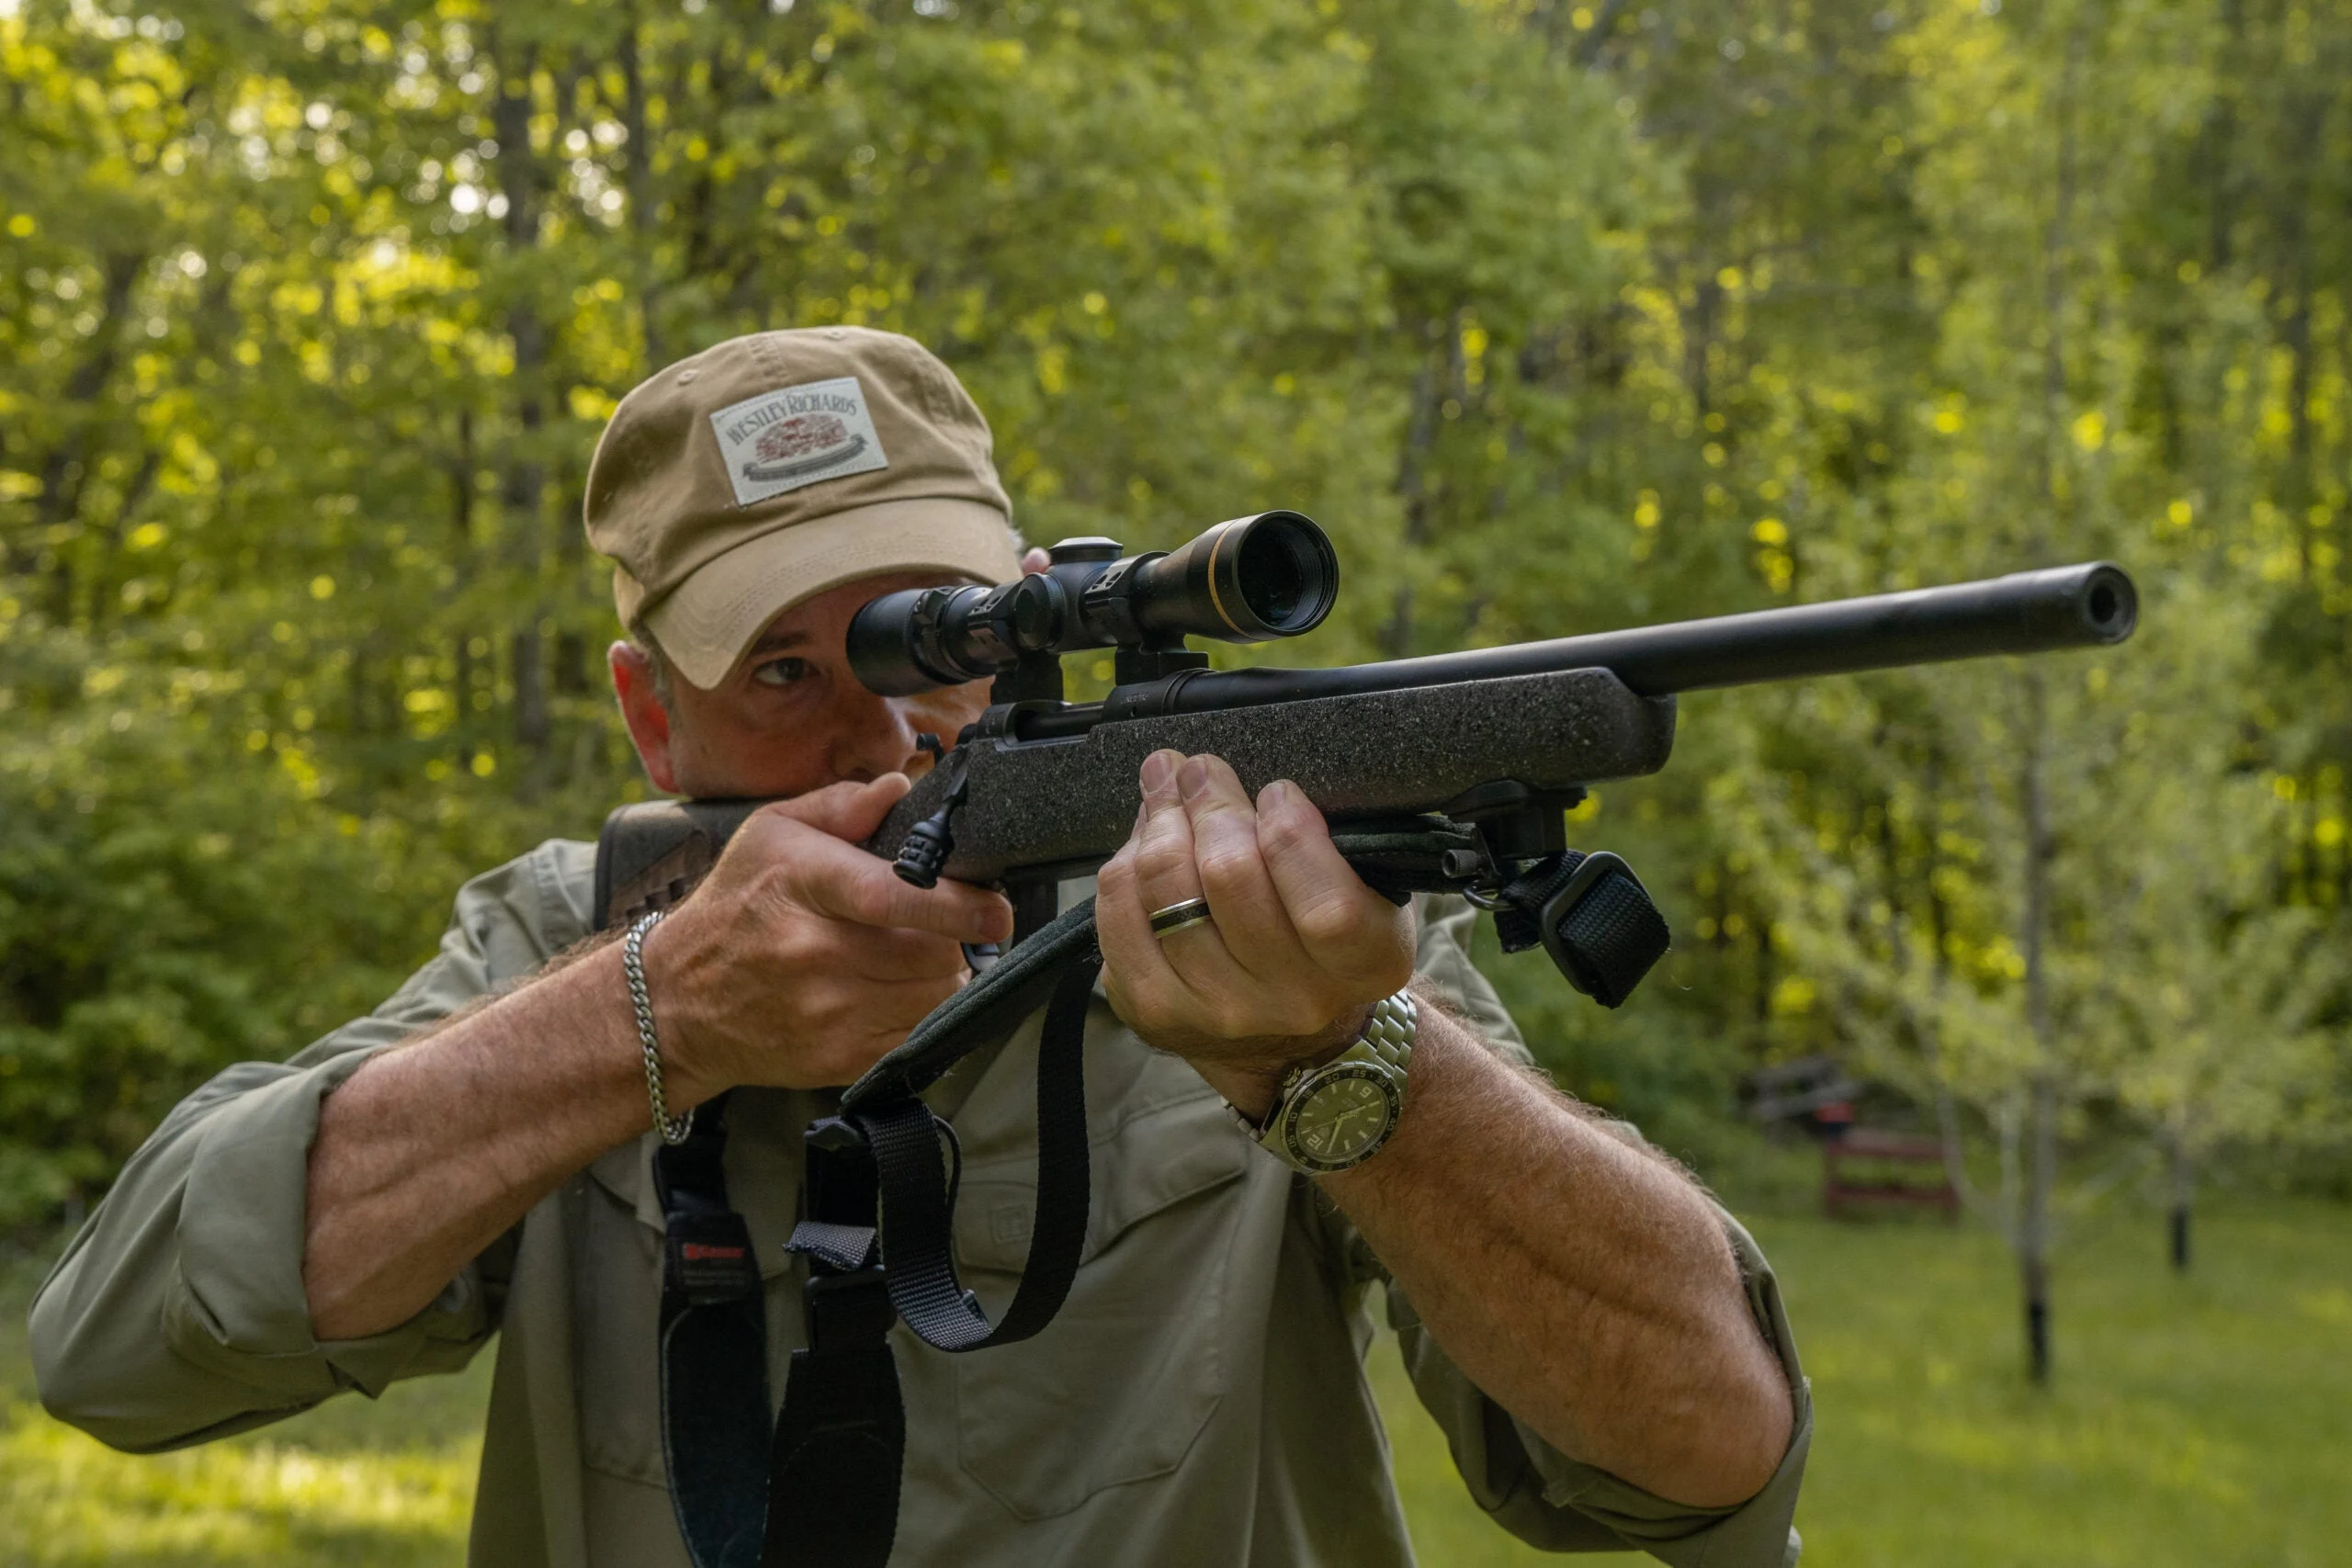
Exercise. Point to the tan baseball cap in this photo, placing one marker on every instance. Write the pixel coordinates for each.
(769, 469)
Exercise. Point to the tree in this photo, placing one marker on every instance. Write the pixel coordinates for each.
(1562, 316)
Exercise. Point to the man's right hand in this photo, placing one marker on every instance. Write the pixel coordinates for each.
(802, 959)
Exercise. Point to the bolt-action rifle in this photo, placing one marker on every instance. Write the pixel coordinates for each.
(1451, 772)
(1497, 742)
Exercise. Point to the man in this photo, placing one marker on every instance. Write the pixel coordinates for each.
(1603, 1347)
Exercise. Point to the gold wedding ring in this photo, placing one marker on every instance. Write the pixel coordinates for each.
(1176, 916)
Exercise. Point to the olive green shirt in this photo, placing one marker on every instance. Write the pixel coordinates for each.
(1200, 1399)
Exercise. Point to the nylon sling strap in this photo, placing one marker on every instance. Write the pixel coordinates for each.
(713, 1352)
(916, 1256)
(1592, 915)
(833, 1485)
(833, 1469)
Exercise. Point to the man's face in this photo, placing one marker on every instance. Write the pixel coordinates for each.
(790, 716)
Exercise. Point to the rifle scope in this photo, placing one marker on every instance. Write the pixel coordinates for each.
(1245, 581)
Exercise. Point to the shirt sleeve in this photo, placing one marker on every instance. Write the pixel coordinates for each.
(178, 1314)
(1527, 1486)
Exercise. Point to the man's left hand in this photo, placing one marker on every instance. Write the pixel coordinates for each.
(1296, 949)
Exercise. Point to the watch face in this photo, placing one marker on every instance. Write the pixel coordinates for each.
(1342, 1117)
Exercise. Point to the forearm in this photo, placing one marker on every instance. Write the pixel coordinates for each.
(1584, 1284)
(435, 1148)
(797, 962)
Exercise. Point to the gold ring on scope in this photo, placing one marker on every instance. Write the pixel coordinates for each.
(1176, 916)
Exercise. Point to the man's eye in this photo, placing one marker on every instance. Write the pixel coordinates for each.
(781, 671)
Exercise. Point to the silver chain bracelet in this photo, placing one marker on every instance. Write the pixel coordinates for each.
(633, 966)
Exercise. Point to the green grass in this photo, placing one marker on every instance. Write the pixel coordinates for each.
(2194, 1421)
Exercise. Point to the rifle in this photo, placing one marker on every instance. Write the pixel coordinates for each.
(1450, 772)
(1496, 742)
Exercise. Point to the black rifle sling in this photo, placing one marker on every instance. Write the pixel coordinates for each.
(916, 1202)
(714, 1352)
(841, 1438)
(832, 1482)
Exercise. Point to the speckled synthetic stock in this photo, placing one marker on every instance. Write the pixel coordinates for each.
(1069, 803)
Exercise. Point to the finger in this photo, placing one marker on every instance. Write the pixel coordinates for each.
(1035, 560)
(1135, 972)
(847, 810)
(1345, 927)
(1251, 922)
(1162, 840)
(839, 879)
(1167, 873)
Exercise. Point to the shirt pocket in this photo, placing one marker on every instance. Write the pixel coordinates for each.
(1119, 1385)
(617, 1286)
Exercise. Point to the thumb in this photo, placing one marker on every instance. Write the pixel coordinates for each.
(846, 810)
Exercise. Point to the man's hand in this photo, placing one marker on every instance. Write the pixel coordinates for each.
(802, 959)
(1297, 950)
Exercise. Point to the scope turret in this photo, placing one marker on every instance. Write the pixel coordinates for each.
(1248, 580)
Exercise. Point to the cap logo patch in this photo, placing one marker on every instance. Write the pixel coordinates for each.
(796, 435)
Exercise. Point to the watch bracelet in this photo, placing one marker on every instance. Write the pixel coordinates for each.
(1390, 1031)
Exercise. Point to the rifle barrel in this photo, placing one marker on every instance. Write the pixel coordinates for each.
(2026, 612)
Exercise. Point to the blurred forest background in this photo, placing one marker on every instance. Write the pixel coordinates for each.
(1561, 316)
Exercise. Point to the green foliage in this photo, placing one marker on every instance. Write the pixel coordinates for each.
(165, 907)
(1561, 316)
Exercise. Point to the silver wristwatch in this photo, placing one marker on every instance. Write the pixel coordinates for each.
(1329, 1117)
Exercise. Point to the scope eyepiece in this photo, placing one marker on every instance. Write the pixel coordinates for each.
(1244, 580)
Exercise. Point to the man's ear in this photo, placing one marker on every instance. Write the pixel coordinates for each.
(643, 711)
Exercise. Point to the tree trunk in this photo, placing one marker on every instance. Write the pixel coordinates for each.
(525, 491)
(2041, 1168)
(532, 726)
(2300, 484)
(2220, 140)
(1429, 391)
(2181, 1169)
(65, 470)
(2033, 1235)
(642, 214)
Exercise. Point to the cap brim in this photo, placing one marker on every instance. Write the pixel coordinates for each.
(705, 624)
